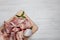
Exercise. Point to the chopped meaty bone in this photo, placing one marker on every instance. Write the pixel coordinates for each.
(22, 26)
(19, 35)
(13, 24)
(8, 30)
(27, 23)
(15, 29)
(5, 34)
(2, 36)
(15, 20)
(21, 21)
(12, 36)
(1, 32)
(7, 27)
(6, 24)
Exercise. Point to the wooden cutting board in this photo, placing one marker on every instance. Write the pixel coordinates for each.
(34, 29)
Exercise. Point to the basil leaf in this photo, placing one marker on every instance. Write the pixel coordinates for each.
(22, 13)
(23, 16)
(18, 16)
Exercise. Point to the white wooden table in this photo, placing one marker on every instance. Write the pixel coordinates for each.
(45, 13)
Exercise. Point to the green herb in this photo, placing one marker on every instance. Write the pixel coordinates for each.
(18, 16)
(22, 15)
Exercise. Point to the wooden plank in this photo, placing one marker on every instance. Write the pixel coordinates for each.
(34, 29)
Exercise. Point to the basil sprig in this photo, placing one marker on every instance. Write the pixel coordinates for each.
(18, 16)
(22, 15)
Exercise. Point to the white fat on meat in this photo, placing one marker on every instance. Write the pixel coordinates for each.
(19, 35)
(20, 21)
(15, 29)
(13, 24)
